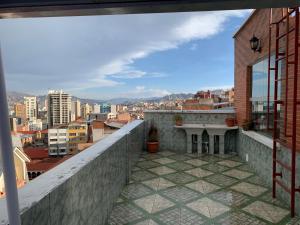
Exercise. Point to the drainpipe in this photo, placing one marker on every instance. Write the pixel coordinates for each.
(6, 154)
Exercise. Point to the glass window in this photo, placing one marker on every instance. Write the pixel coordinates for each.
(259, 97)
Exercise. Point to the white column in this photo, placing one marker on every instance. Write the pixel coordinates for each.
(6, 156)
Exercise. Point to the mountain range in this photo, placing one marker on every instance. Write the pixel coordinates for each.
(14, 97)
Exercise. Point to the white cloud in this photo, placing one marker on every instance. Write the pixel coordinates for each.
(78, 53)
(224, 87)
(143, 92)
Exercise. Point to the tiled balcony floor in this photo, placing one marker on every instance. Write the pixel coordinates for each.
(173, 189)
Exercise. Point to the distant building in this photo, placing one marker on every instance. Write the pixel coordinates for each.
(20, 111)
(230, 95)
(76, 110)
(97, 108)
(105, 108)
(31, 107)
(124, 117)
(203, 104)
(113, 109)
(96, 131)
(58, 141)
(77, 133)
(98, 116)
(112, 115)
(86, 110)
(13, 124)
(36, 124)
(59, 108)
(204, 95)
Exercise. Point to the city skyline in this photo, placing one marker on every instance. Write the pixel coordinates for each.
(93, 66)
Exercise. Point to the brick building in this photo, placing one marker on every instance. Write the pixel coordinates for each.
(252, 73)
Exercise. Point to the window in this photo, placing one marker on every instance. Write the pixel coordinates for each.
(259, 96)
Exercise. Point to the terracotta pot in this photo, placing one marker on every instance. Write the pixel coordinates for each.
(152, 147)
(178, 122)
(230, 122)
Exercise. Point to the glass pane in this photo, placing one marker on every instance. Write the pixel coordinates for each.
(259, 96)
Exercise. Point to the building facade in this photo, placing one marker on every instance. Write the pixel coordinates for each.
(77, 134)
(254, 82)
(76, 109)
(58, 141)
(86, 110)
(20, 111)
(59, 108)
(31, 107)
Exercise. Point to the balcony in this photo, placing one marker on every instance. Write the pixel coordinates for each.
(116, 182)
(170, 188)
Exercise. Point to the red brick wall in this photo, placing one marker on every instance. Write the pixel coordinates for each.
(258, 24)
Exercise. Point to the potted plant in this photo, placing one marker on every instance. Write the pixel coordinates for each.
(247, 125)
(152, 144)
(178, 120)
(230, 121)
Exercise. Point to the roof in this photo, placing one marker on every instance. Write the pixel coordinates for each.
(21, 154)
(36, 153)
(27, 132)
(98, 124)
(115, 124)
(245, 22)
(45, 164)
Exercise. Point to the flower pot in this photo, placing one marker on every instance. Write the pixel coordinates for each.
(152, 147)
(178, 122)
(230, 122)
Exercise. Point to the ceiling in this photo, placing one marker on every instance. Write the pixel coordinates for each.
(47, 8)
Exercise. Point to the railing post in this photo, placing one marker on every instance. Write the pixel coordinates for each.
(6, 153)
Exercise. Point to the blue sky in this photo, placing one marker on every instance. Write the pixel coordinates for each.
(133, 56)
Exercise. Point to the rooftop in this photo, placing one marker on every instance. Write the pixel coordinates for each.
(170, 188)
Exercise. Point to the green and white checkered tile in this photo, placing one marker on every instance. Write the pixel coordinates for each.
(191, 189)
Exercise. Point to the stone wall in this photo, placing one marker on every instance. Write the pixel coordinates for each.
(82, 189)
(174, 139)
(259, 153)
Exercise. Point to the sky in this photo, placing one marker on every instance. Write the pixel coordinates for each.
(131, 56)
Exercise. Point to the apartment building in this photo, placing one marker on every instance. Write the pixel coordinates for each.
(20, 111)
(75, 110)
(59, 108)
(31, 107)
(58, 141)
(77, 134)
(86, 110)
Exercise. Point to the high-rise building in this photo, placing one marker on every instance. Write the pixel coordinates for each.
(59, 108)
(31, 107)
(105, 108)
(86, 109)
(76, 109)
(113, 109)
(96, 108)
(20, 111)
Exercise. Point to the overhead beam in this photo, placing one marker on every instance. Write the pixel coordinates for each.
(50, 8)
